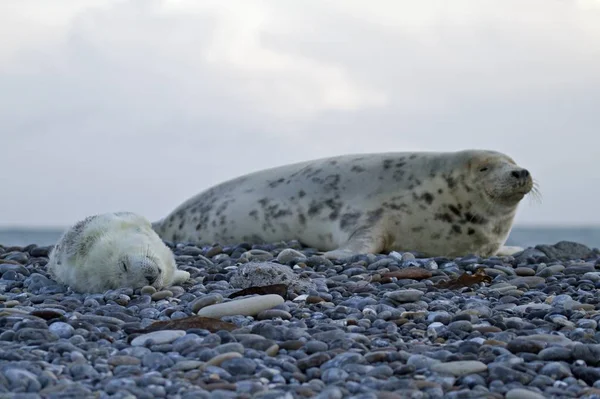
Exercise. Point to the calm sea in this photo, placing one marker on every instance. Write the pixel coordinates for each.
(520, 236)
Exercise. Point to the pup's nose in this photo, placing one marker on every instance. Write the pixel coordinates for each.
(151, 278)
(520, 174)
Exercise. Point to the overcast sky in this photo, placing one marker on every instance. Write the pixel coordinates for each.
(137, 105)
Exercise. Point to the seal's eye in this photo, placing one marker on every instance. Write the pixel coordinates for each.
(484, 169)
(124, 265)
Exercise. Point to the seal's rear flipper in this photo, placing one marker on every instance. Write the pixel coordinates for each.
(363, 241)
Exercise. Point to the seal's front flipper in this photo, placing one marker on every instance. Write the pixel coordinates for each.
(508, 250)
(361, 242)
(180, 276)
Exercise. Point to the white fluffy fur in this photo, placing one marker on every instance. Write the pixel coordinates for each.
(113, 250)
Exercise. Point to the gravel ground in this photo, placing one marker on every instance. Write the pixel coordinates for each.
(346, 329)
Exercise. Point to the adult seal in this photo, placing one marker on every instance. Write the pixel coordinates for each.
(110, 251)
(434, 203)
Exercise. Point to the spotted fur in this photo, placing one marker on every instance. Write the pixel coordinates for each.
(444, 203)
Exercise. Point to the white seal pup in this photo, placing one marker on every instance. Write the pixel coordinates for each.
(434, 203)
(110, 251)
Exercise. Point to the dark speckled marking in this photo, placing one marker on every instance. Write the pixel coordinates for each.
(357, 169)
(199, 227)
(436, 236)
(331, 182)
(349, 220)
(374, 216)
(413, 156)
(440, 191)
(450, 182)
(301, 193)
(457, 229)
(454, 210)
(417, 229)
(445, 217)
(470, 231)
(281, 213)
(314, 208)
(302, 219)
(277, 182)
(253, 214)
(387, 163)
(427, 197)
(474, 218)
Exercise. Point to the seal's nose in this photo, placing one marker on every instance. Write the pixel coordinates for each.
(151, 278)
(520, 174)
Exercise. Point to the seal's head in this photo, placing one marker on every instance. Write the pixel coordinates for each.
(500, 182)
(131, 260)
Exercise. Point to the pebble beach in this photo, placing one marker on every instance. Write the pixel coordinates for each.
(372, 326)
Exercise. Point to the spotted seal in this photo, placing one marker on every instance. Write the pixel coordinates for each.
(434, 203)
(113, 250)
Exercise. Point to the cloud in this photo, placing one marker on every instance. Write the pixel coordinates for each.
(129, 104)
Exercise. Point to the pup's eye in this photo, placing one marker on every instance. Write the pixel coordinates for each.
(485, 168)
(124, 265)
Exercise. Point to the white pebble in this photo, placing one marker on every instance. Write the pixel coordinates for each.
(460, 367)
(245, 307)
(158, 337)
(520, 393)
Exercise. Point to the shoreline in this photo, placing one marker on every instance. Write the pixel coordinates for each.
(358, 328)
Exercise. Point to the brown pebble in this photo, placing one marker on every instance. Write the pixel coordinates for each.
(524, 271)
(217, 360)
(314, 299)
(314, 360)
(414, 273)
(46, 314)
(272, 350)
(493, 342)
(376, 357)
(157, 296)
(293, 344)
(216, 250)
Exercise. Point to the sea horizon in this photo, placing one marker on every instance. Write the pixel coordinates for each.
(524, 235)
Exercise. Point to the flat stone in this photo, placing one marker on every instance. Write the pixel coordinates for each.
(158, 337)
(520, 393)
(532, 306)
(247, 306)
(531, 281)
(217, 360)
(460, 368)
